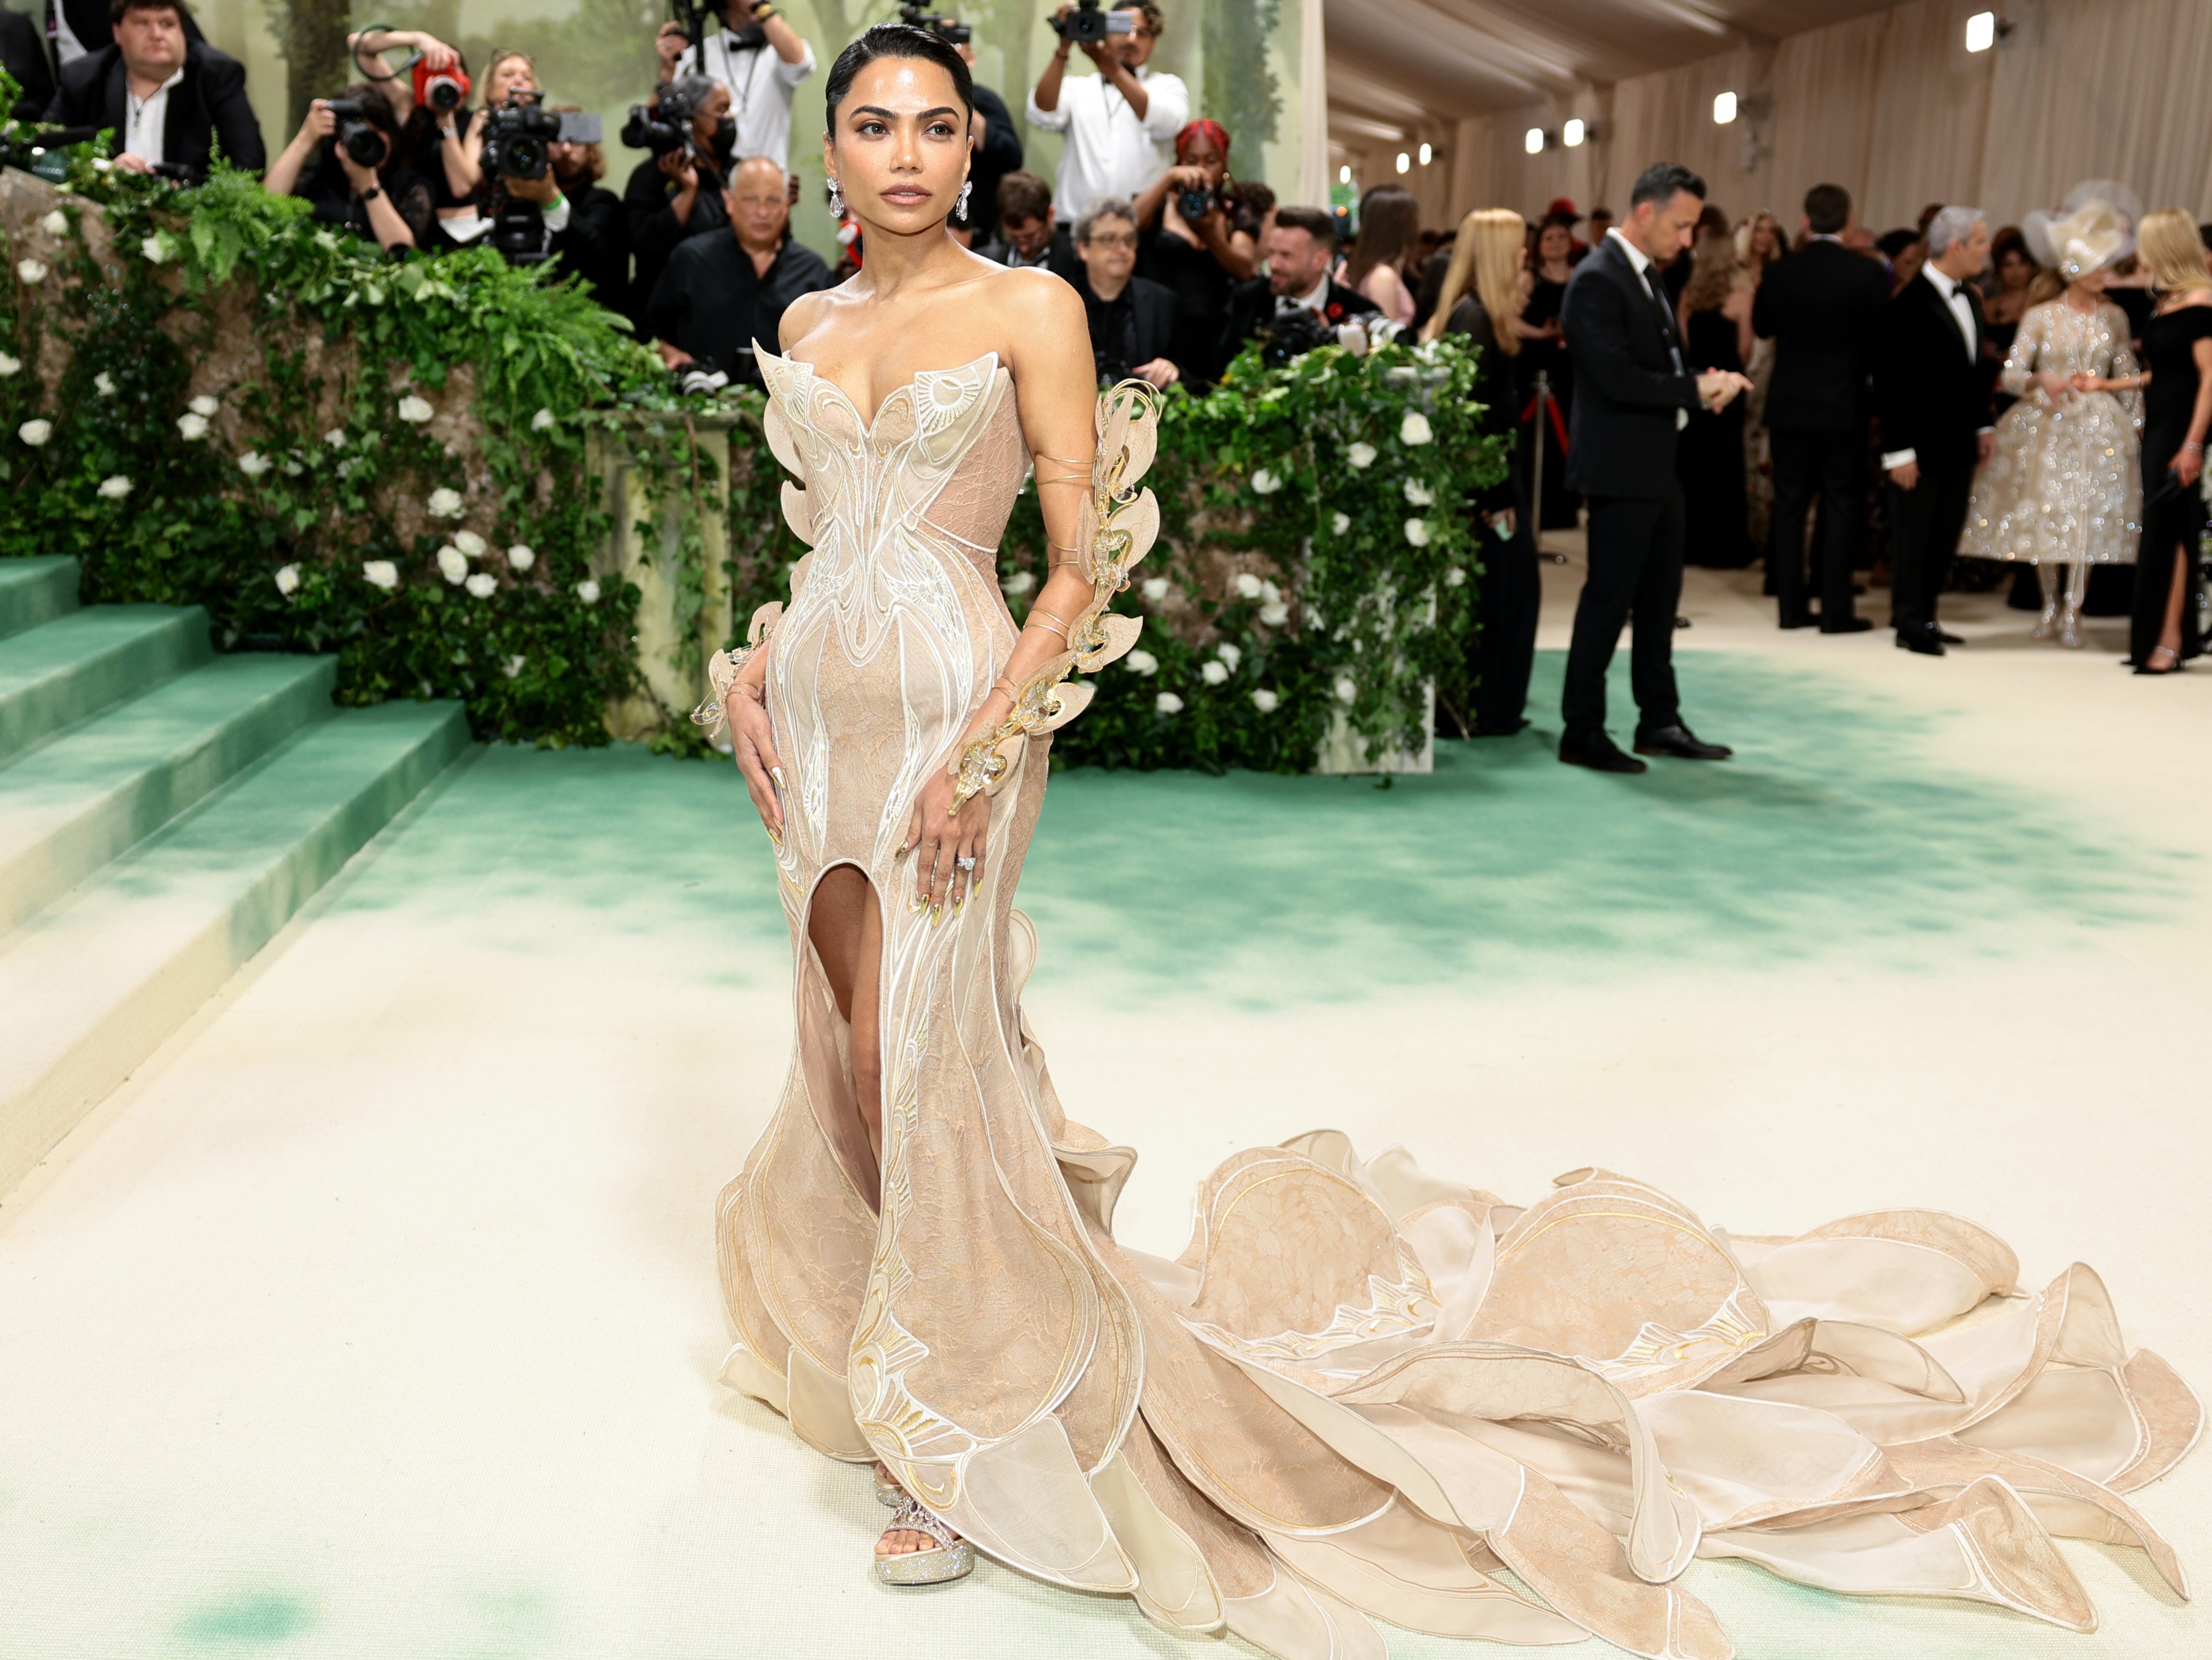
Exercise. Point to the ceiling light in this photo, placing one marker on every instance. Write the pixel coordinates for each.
(1573, 133)
(1425, 153)
(1724, 109)
(1981, 31)
(1533, 143)
(1344, 173)
(1405, 161)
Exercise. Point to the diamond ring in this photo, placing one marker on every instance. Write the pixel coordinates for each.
(965, 862)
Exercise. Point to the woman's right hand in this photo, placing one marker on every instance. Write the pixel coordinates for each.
(2056, 388)
(753, 736)
(319, 124)
(2189, 467)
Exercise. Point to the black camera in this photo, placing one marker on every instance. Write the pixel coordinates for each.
(1195, 203)
(1087, 26)
(359, 137)
(663, 125)
(950, 29)
(517, 136)
(1292, 332)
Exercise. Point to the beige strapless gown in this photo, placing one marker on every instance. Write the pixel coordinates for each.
(1361, 1389)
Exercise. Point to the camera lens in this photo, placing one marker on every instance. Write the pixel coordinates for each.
(444, 95)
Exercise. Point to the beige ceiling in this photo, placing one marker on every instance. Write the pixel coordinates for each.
(1397, 64)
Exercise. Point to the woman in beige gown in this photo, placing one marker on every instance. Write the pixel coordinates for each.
(1361, 1389)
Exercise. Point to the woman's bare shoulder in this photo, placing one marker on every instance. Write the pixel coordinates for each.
(802, 317)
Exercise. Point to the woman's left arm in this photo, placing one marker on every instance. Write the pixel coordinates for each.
(2189, 460)
(1043, 321)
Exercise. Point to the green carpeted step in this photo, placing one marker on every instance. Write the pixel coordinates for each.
(55, 675)
(90, 987)
(35, 590)
(70, 806)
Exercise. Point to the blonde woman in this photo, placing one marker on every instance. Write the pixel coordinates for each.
(2177, 354)
(1482, 299)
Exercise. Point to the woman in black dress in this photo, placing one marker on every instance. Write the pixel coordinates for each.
(1716, 323)
(2177, 354)
(1198, 257)
(1482, 299)
(1544, 350)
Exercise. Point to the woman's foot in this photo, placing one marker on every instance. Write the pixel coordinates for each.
(2163, 659)
(918, 1549)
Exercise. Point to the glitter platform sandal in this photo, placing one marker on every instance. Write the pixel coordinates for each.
(954, 1558)
(889, 1494)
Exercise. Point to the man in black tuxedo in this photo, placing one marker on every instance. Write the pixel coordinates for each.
(23, 55)
(168, 100)
(1821, 306)
(1932, 393)
(1300, 247)
(1633, 393)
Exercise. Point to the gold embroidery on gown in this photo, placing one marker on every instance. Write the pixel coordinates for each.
(2063, 485)
(1361, 1389)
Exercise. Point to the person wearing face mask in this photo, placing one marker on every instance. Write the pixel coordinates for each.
(760, 59)
(718, 294)
(595, 245)
(680, 194)
(2062, 489)
(1121, 123)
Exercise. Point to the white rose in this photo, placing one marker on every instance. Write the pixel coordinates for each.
(14, 365)
(1168, 703)
(1455, 576)
(452, 564)
(288, 579)
(101, 164)
(513, 666)
(1020, 583)
(1264, 700)
(1415, 428)
(1142, 662)
(1229, 653)
(193, 425)
(114, 489)
(1417, 531)
(104, 384)
(1212, 674)
(469, 542)
(31, 270)
(1338, 523)
(1419, 494)
(482, 585)
(346, 467)
(1347, 689)
(291, 468)
(203, 405)
(1268, 592)
(588, 591)
(1155, 588)
(253, 463)
(334, 438)
(1276, 615)
(414, 409)
(381, 572)
(1248, 586)
(1265, 483)
(1361, 455)
(1352, 338)
(542, 422)
(155, 249)
(55, 223)
(444, 503)
(521, 556)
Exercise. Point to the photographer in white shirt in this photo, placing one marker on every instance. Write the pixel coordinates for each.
(761, 59)
(1121, 123)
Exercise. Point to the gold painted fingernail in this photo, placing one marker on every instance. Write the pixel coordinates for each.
(900, 855)
(776, 773)
(936, 915)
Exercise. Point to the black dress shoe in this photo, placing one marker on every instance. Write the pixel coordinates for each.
(1925, 640)
(1598, 752)
(1848, 625)
(1680, 621)
(1678, 741)
(1803, 619)
(1949, 639)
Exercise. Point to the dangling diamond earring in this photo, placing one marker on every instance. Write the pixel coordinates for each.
(836, 201)
(960, 211)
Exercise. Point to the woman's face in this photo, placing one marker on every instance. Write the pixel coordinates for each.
(2014, 271)
(900, 150)
(1201, 153)
(512, 74)
(1766, 239)
(709, 121)
(2093, 282)
(1553, 244)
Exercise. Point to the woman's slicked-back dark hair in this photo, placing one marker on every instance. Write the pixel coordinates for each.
(896, 40)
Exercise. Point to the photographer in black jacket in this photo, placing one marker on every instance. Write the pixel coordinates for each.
(342, 159)
(170, 101)
(596, 244)
(677, 191)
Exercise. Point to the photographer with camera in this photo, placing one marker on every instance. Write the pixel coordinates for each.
(171, 101)
(1192, 246)
(518, 208)
(427, 93)
(677, 191)
(1131, 320)
(1297, 303)
(1121, 123)
(997, 141)
(351, 140)
(595, 245)
(720, 294)
(756, 55)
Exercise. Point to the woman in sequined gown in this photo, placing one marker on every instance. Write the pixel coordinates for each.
(2062, 490)
(1362, 1389)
